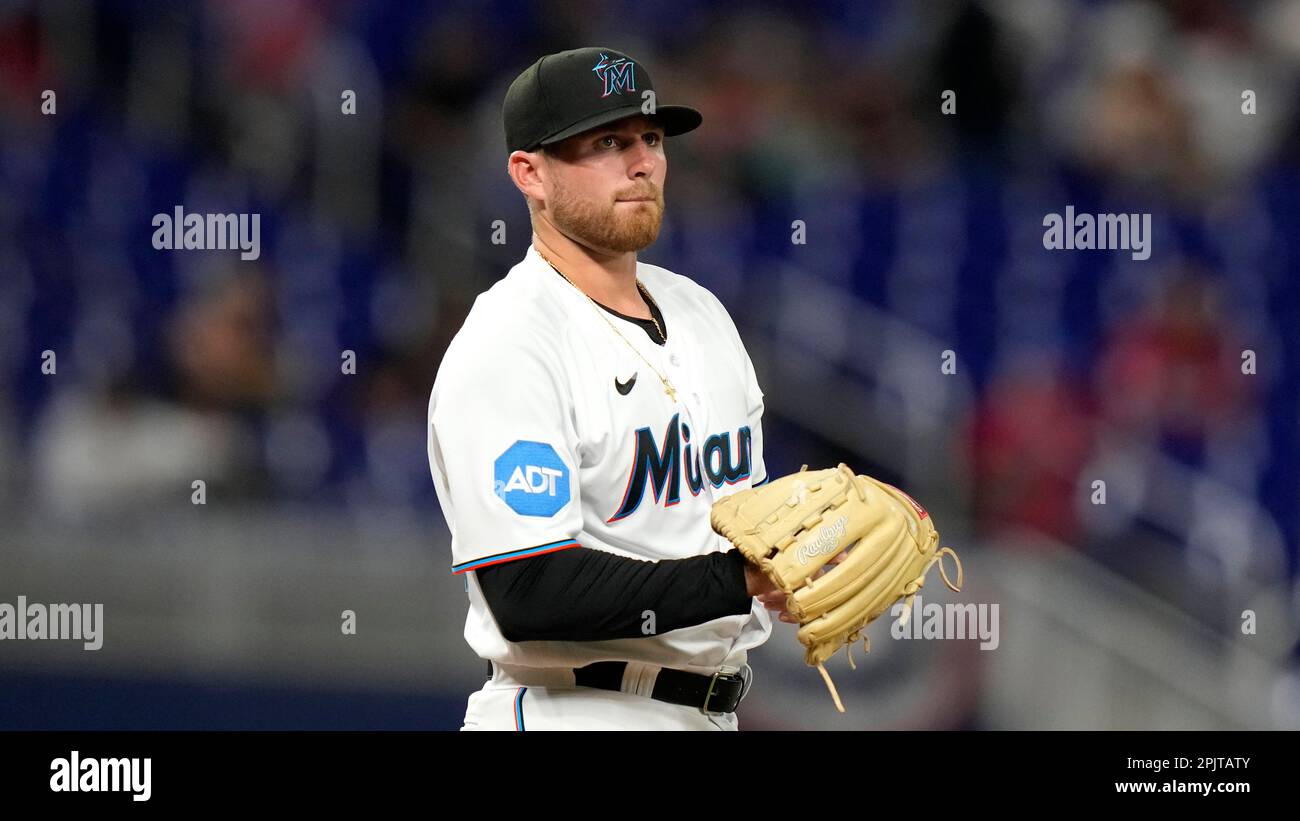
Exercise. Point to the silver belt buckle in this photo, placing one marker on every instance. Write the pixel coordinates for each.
(746, 680)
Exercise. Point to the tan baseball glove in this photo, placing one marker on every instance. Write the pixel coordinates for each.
(843, 547)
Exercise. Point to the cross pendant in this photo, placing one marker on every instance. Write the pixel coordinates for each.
(668, 389)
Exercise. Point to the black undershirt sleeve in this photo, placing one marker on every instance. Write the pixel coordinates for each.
(590, 595)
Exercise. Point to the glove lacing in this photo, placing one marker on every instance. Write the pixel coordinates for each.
(913, 587)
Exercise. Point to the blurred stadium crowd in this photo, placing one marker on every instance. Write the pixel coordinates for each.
(376, 236)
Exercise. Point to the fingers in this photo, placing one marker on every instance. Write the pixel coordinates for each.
(775, 600)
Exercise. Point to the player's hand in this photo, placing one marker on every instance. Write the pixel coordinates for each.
(756, 581)
(758, 585)
(776, 601)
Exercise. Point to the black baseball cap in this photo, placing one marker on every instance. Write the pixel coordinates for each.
(572, 91)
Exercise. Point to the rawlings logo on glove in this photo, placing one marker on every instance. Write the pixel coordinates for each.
(828, 541)
(844, 548)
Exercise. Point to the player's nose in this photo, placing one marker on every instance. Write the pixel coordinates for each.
(642, 160)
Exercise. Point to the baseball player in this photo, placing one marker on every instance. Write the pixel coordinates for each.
(582, 423)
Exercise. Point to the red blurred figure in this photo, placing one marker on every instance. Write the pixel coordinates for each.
(1027, 442)
(1173, 375)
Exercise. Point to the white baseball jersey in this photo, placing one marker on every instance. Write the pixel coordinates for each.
(547, 431)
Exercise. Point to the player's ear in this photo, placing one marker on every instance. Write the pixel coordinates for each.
(526, 170)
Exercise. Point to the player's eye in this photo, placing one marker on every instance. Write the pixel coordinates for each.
(652, 137)
(608, 141)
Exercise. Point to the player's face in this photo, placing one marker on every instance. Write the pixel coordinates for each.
(606, 186)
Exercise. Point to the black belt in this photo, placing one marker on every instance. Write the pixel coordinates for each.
(711, 694)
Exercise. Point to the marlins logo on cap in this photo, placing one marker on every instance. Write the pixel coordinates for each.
(618, 74)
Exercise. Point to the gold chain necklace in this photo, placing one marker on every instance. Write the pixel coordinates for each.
(640, 287)
(668, 386)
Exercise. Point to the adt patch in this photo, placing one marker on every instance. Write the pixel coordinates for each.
(532, 479)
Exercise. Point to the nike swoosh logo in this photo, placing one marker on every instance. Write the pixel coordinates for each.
(624, 387)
